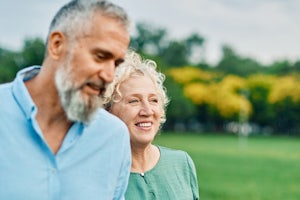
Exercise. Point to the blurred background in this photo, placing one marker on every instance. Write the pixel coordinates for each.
(232, 73)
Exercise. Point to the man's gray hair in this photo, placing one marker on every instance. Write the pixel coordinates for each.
(73, 18)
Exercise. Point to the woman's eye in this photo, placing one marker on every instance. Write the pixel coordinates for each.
(133, 101)
(154, 100)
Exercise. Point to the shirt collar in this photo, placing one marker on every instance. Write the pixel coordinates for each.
(21, 93)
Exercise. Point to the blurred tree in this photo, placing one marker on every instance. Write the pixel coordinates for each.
(281, 67)
(11, 62)
(32, 53)
(153, 41)
(259, 86)
(195, 48)
(296, 66)
(205, 88)
(287, 117)
(285, 98)
(8, 65)
(175, 54)
(188, 74)
(180, 108)
(149, 39)
(232, 63)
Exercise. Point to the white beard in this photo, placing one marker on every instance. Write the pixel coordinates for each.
(76, 106)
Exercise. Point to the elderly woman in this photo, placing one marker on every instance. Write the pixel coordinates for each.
(137, 97)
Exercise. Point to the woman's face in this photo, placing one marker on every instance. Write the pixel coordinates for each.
(140, 109)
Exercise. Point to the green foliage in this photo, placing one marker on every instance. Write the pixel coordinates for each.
(8, 65)
(232, 63)
(175, 54)
(229, 167)
(148, 39)
(287, 116)
(180, 107)
(296, 66)
(33, 52)
(153, 41)
(260, 99)
(11, 62)
(193, 41)
(282, 67)
(259, 87)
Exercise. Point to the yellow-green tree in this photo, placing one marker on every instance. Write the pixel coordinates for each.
(267, 100)
(259, 87)
(221, 96)
(225, 96)
(285, 98)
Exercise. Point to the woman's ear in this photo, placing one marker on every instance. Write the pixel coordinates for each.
(56, 45)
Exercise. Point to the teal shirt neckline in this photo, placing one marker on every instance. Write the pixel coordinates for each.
(173, 177)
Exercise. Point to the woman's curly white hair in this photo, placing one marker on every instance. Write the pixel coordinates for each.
(135, 65)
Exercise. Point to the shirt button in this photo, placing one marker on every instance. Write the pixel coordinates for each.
(53, 171)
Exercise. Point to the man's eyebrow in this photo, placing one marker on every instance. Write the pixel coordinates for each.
(108, 54)
(104, 52)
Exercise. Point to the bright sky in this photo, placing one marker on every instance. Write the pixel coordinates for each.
(266, 30)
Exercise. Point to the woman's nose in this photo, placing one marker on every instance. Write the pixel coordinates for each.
(146, 109)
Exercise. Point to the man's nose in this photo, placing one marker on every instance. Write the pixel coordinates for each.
(107, 72)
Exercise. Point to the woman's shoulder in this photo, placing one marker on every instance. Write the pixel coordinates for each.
(173, 154)
(170, 150)
(176, 160)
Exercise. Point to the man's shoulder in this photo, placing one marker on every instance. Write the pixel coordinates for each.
(6, 94)
(107, 121)
(5, 87)
(5, 100)
(107, 117)
(108, 129)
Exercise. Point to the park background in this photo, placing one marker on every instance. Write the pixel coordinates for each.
(237, 117)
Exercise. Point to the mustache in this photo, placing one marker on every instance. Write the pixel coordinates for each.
(99, 85)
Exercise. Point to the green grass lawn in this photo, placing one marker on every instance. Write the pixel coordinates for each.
(233, 168)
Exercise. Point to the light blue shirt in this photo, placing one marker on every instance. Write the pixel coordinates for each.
(93, 162)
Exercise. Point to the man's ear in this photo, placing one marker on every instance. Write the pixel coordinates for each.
(56, 45)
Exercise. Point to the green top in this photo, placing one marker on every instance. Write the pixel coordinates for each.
(173, 177)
